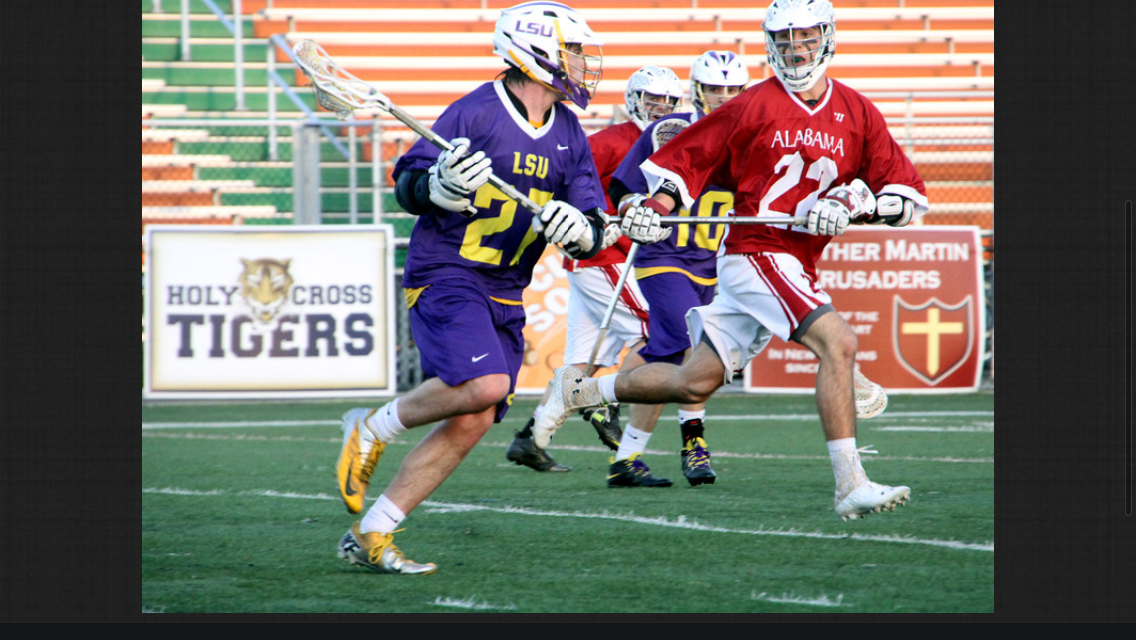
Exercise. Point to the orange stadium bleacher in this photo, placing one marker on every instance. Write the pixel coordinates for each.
(882, 46)
(921, 60)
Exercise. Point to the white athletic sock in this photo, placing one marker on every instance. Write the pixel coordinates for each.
(383, 517)
(633, 441)
(607, 388)
(846, 467)
(385, 423)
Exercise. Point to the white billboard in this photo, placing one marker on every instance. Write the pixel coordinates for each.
(269, 312)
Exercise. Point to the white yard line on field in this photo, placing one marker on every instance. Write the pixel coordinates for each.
(789, 598)
(469, 603)
(681, 522)
(567, 447)
(730, 418)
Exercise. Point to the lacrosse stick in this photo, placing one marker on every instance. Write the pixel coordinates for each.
(338, 90)
(871, 399)
(611, 305)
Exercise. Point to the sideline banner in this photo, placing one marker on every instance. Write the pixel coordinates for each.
(915, 298)
(269, 312)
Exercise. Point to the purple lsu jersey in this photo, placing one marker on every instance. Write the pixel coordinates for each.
(496, 249)
(691, 249)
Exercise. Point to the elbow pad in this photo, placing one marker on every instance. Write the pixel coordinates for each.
(893, 210)
(412, 191)
(617, 190)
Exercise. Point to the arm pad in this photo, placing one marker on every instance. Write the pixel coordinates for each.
(893, 210)
(412, 191)
(596, 223)
(671, 189)
(616, 190)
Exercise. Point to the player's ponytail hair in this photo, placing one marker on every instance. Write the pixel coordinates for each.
(514, 77)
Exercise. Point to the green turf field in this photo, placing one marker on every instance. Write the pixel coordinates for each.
(240, 514)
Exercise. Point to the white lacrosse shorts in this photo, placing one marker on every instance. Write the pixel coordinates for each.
(590, 290)
(759, 296)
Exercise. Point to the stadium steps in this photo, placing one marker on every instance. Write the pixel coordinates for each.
(644, 44)
(924, 46)
(222, 174)
(484, 67)
(589, 5)
(318, 16)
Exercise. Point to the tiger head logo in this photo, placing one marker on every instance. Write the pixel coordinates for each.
(265, 284)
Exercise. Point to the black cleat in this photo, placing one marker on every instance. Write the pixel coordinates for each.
(696, 463)
(632, 472)
(524, 451)
(605, 420)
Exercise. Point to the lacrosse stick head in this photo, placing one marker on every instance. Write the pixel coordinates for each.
(666, 129)
(871, 399)
(336, 89)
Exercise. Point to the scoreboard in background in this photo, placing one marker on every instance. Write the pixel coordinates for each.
(913, 296)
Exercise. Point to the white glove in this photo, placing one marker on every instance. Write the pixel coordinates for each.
(611, 234)
(893, 210)
(453, 177)
(858, 198)
(563, 224)
(641, 219)
(828, 217)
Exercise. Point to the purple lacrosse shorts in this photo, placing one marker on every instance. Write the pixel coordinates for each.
(462, 334)
(669, 296)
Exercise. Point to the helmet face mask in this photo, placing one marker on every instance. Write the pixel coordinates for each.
(652, 92)
(552, 45)
(800, 40)
(715, 77)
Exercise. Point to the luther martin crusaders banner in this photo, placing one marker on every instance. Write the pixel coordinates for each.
(297, 311)
(914, 297)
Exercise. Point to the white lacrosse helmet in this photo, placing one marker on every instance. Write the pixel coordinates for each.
(716, 68)
(790, 16)
(532, 38)
(645, 87)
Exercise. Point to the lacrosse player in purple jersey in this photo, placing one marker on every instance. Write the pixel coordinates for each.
(675, 275)
(651, 93)
(471, 254)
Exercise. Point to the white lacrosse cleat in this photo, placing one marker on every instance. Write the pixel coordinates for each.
(571, 391)
(869, 497)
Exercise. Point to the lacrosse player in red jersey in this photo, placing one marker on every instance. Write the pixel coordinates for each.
(651, 93)
(675, 275)
(799, 144)
(471, 254)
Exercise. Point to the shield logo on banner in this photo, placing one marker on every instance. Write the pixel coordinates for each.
(933, 340)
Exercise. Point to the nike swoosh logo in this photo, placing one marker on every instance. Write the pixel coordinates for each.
(560, 148)
(349, 485)
(479, 357)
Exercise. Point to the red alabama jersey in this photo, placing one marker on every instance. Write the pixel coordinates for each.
(778, 155)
